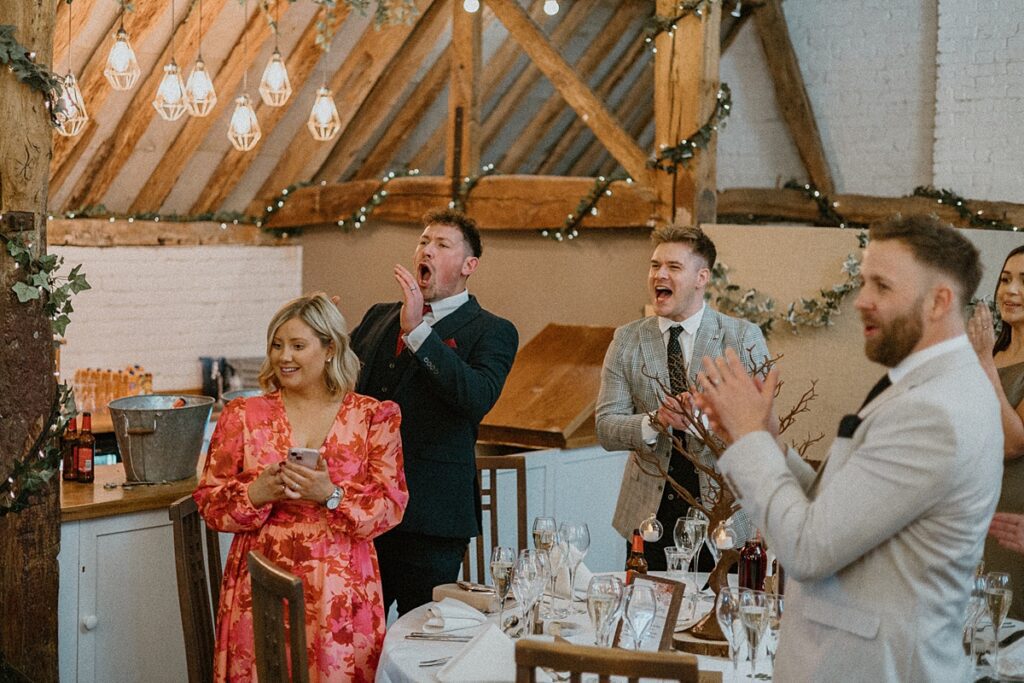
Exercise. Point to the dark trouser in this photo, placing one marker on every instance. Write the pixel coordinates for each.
(412, 564)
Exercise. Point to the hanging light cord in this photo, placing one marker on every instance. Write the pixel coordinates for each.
(172, 31)
(70, 10)
(245, 45)
(200, 55)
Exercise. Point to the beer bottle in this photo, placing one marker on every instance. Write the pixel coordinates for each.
(69, 469)
(85, 451)
(636, 563)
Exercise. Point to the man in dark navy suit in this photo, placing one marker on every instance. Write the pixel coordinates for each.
(444, 360)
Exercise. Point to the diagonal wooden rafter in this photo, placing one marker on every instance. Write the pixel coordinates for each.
(735, 26)
(636, 121)
(115, 151)
(634, 110)
(512, 97)
(526, 142)
(431, 152)
(229, 76)
(425, 92)
(791, 93)
(573, 90)
(363, 65)
(383, 99)
(300, 63)
(96, 89)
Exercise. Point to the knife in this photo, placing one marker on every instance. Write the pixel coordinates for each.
(1012, 638)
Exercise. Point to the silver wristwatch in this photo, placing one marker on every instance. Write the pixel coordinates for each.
(334, 500)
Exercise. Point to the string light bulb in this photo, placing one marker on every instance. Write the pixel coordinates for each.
(170, 94)
(551, 7)
(471, 6)
(737, 11)
(71, 115)
(200, 95)
(324, 122)
(244, 129)
(275, 86)
(122, 69)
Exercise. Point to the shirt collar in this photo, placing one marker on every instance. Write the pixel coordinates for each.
(442, 307)
(919, 358)
(690, 325)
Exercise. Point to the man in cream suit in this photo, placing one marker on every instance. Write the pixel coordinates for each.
(880, 547)
(643, 350)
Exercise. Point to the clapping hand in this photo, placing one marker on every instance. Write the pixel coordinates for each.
(412, 299)
(981, 332)
(735, 403)
(1008, 529)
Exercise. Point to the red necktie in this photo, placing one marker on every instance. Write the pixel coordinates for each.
(401, 342)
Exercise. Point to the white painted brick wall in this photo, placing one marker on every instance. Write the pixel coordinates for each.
(979, 131)
(164, 307)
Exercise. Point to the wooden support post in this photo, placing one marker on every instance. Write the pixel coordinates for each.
(685, 93)
(30, 539)
(463, 146)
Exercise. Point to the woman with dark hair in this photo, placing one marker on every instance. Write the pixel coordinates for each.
(315, 516)
(1002, 358)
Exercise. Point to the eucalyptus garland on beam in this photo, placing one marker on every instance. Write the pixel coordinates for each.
(826, 206)
(359, 217)
(658, 24)
(669, 159)
(587, 206)
(466, 186)
(959, 204)
(21, 62)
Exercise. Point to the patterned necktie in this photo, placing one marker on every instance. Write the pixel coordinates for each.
(676, 362)
(401, 342)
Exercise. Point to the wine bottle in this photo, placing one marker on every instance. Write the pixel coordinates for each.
(85, 451)
(69, 470)
(636, 563)
(753, 564)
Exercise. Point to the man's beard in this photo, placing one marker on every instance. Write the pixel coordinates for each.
(896, 338)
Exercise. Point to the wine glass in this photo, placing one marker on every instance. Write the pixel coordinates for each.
(975, 610)
(754, 617)
(728, 613)
(502, 560)
(641, 608)
(604, 597)
(689, 534)
(556, 562)
(998, 596)
(577, 540)
(771, 634)
(528, 577)
(651, 529)
(544, 532)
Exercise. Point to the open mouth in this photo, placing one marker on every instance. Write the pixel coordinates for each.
(423, 274)
(662, 293)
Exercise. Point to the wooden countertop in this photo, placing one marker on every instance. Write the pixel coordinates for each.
(90, 501)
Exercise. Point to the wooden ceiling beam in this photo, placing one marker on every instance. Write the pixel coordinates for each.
(735, 26)
(497, 202)
(190, 136)
(96, 89)
(462, 139)
(115, 151)
(399, 128)
(300, 63)
(604, 90)
(100, 232)
(791, 93)
(636, 104)
(372, 54)
(384, 98)
(513, 97)
(575, 92)
(586, 65)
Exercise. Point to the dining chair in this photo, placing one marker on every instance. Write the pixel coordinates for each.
(199, 581)
(491, 465)
(270, 586)
(603, 661)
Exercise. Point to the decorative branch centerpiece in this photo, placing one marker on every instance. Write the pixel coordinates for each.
(719, 504)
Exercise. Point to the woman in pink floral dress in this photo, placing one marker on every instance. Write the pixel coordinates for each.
(315, 523)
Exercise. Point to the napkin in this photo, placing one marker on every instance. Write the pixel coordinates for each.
(450, 614)
(583, 576)
(1011, 662)
(488, 658)
(485, 602)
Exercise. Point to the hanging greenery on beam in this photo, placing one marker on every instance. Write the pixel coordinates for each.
(358, 218)
(587, 206)
(658, 24)
(960, 205)
(466, 186)
(669, 159)
(22, 63)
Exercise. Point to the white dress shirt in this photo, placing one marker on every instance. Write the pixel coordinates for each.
(438, 309)
(689, 333)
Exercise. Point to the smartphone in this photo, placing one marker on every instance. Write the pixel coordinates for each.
(307, 457)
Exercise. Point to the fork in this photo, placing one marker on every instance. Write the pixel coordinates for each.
(426, 663)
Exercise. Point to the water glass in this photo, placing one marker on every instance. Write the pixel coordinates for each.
(604, 603)
(754, 617)
(502, 561)
(641, 608)
(676, 565)
(728, 613)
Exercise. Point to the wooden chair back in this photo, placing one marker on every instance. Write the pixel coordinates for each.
(199, 581)
(270, 586)
(603, 661)
(492, 464)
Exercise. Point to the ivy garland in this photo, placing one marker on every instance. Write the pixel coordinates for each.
(658, 24)
(587, 206)
(669, 159)
(466, 186)
(974, 218)
(357, 218)
(21, 62)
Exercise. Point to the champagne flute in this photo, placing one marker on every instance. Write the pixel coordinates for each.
(528, 578)
(577, 542)
(502, 560)
(641, 608)
(604, 597)
(997, 601)
(754, 617)
(544, 532)
(775, 606)
(556, 562)
(727, 612)
(689, 536)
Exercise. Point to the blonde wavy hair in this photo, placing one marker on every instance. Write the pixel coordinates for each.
(328, 324)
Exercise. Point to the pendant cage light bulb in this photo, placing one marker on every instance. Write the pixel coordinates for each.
(324, 122)
(471, 6)
(71, 115)
(244, 129)
(122, 68)
(170, 95)
(275, 87)
(551, 7)
(200, 96)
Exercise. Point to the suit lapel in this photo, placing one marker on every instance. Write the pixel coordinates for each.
(655, 356)
(703, 343)
(444, 328)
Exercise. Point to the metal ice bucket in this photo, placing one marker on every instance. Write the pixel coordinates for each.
(159, 442)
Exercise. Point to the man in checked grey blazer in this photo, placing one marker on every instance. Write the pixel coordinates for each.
(879, 548)
(680, 270)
